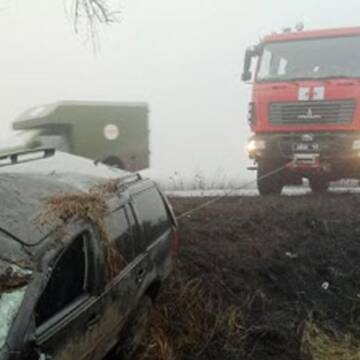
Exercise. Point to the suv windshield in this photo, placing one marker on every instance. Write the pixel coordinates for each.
(310, 59)
(13, 284)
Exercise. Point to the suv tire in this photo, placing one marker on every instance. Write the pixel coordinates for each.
(131, 338)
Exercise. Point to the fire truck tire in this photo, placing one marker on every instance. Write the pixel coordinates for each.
(271, 185)
(318, 185)
(114, 161)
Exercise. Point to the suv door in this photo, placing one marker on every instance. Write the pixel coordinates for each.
(157, 229)
(121, 291)
(68, 311)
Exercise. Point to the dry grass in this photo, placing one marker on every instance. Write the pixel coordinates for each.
(188, 319)
(92, 206)
(249, 274)
(319, 345)
(71, 207)
(13, 282)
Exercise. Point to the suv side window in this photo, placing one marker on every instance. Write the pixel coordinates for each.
(68, 281)
(153, 214)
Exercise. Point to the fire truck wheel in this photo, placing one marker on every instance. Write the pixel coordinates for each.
(269, 185)
(318, 185)
(114, 161)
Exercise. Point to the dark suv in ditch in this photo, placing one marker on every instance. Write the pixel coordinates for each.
(57, 300)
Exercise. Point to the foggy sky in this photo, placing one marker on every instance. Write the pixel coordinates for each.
(183, 57)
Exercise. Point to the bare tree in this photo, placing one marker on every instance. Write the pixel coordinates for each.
(91, 13)
(87, 15)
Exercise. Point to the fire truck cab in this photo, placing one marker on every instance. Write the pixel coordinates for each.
(304, 112)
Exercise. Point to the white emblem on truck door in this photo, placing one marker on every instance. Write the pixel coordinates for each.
(317, 93)
(304, 94)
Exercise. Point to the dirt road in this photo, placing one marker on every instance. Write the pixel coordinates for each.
(263, 278)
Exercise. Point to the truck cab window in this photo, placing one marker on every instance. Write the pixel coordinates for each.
(282, 66)
(265, 64)
(68, 281)
(312, 58)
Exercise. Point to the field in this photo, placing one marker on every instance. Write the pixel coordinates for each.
(262, 278)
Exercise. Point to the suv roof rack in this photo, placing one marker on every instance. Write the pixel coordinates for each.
(15, 157)
(128, 180)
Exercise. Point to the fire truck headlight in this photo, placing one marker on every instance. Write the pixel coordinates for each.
(356, 145)
(256, 145)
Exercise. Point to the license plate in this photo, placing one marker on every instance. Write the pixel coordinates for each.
(306, 147)
(307, 160)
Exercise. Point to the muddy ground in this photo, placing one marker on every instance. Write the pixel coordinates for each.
(262, 278)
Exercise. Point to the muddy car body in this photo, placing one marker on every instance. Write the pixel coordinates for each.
(56, 297)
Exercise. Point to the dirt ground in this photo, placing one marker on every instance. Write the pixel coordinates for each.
(262, 278)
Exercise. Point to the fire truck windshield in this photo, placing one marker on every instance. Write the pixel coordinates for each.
(310, 59)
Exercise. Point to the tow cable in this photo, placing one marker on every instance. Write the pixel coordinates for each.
(228, 193)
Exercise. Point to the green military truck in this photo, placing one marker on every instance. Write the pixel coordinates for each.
(114, 133)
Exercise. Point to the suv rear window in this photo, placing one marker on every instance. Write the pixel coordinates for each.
(153, 215)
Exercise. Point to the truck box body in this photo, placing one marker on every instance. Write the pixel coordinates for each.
(96, 130)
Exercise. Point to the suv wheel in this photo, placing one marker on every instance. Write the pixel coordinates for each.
(269, 185)
(133, 334)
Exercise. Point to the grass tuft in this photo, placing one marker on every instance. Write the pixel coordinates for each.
(319, 345)
(92, 206)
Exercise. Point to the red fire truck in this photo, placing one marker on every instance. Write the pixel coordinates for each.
(305, 113)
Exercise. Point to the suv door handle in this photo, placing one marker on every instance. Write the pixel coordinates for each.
(94, 319)
(140, 275)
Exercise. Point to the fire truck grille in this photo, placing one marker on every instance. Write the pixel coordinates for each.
(312, 112)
